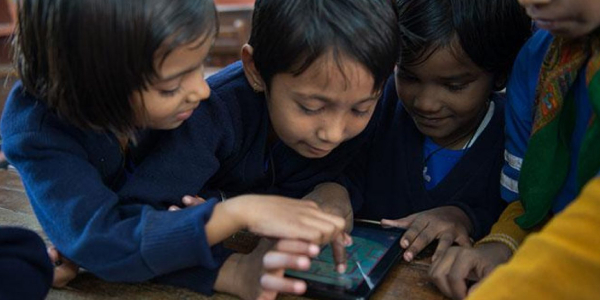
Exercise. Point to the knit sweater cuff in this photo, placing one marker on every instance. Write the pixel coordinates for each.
(506, 231)
(175, 240)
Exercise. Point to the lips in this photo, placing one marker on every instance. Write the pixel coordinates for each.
(185, 115)
(318, 151)
(428, 121)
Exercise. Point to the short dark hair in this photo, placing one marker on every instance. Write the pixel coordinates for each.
(289, 35)
(86, 58)
(490, 32)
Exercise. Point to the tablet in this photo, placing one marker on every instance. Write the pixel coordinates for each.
(373, 252)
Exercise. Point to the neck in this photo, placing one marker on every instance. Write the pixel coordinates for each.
(462, 140)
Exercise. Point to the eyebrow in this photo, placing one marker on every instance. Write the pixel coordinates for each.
(329, 101)
(184, 72)
(457, 77)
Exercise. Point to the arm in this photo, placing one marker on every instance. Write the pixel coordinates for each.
(25, 268)
(560, 262)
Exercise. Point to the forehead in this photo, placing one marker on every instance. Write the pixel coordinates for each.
(182, 57)
(445, 61)
(333, 73)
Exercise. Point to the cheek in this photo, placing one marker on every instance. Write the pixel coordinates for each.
(356, 125)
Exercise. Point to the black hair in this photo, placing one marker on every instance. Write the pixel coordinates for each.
(289, 35)
(490, 32)
(86, 58)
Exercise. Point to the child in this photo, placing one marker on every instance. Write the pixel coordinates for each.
(552, 132)
(560, 262)
(435, 161)
(268, 127)
(102, 81)
(25, 269)
(290, 115)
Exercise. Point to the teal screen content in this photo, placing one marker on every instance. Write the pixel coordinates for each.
(368, 247)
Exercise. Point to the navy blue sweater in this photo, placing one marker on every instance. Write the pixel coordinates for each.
(120, 229)
(387, 180)
(25, 269)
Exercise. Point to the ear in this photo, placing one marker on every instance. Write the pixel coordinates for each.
(252, 74)
(500, 82)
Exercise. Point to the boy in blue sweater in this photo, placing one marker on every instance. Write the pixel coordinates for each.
(434, 164)
(287, 121)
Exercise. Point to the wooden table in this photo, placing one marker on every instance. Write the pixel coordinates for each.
(406, 281)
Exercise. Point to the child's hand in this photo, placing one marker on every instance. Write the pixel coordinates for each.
(338, 247)
(64, 270)
(458, 265)
(281, 217)
(260, 274)
(448, 224)
(188, 201)
(333, 198)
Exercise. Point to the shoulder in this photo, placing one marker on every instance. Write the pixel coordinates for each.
(531, 56)
(22, 112)
(25, 114)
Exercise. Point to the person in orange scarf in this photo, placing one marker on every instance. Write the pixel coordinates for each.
(552, 151)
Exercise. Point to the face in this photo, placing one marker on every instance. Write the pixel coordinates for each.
(568, 18)
(445, 97)
(316, 111)
(178, 90)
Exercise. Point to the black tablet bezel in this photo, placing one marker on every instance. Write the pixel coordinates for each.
(327, 291)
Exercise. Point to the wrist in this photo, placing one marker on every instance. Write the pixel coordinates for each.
(237, 211)
(497, 250)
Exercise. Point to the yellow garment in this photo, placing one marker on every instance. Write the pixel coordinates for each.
(505, 230)
(560, 262)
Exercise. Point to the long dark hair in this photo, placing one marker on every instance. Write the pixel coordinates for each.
(85, 58)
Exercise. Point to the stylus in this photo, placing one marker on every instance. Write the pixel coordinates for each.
(367, 221)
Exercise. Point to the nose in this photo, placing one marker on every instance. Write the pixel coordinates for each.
(198, 87)
(426, 103)
(332, 131)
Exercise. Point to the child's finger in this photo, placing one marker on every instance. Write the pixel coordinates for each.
(412, 232)
(400, 223)
(438, 272)
(192, 200)
(275, 260)
(174, 208)
(281, 284)
(419, 242)
(54, 256)
(445, 241)
(320, 228)
(297, 247)
(464, 240)
(338, 247)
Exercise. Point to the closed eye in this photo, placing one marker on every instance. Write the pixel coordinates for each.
(170, 93)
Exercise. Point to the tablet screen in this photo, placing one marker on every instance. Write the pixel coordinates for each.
(368, 248)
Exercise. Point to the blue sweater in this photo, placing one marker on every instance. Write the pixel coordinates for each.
(117, 226)
(227, 152)
(387, 180)
(25, 269)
